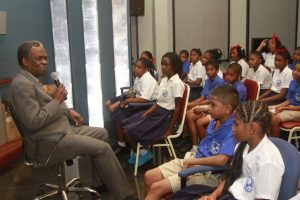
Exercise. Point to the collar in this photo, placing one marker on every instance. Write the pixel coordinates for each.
(29, 75)
(256, 150)
(174, 77)
(225, 124)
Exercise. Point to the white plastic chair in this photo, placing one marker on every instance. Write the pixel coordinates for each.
(167, 140)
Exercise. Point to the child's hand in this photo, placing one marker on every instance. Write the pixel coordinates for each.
(199, 110)
(207, 198)
(272, 110)
(123, 105)
(264, 43)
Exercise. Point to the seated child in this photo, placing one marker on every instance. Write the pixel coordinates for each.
(233, 78)
(257, 72)
(281, 79)
(194, 77)
(145, 89)
(212, 68)
(268, 48)
(151, 125)
(289, 109)
(216, 149)
(237, 55)
(148, 55)
(211, 55)
(257, 167)
(184, 56)
(296, 58)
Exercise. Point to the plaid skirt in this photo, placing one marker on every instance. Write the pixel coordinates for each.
(148, 130)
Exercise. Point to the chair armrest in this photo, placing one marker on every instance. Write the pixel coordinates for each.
(125, 88)
(198, 169)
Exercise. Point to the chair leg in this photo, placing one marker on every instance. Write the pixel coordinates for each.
(172, 148)
(72, 182)
(168, 146)
(48, 194)
(64, 195)
(137, 159)
(293, 135)
(84, 189)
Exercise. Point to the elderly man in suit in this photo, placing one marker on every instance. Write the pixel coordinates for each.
(41, 115)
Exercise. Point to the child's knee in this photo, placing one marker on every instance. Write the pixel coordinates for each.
(276, 119)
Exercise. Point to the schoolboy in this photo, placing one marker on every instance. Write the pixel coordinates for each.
(233, 77)
(216, 149)
(289, 109)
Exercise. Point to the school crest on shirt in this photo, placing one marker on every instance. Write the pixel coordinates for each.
(215, 147)
(165, 93)
(249, 184)
(278, 83)
(297, 97)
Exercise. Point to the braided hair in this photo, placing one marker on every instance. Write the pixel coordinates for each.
(248, 112)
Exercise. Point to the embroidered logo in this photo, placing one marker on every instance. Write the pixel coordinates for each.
(249, 185)
(215, 147)
(165, 93)
(297, 97)
(278, 83)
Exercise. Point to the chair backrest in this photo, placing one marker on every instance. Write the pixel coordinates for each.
(252, 89)
(291, 159)
(181, 118)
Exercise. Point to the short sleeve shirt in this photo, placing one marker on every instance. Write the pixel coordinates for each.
(262, 172)
(146, 87)
(169, 89)
(196, 71)
(244, 65)
(294, 93)
(211, 84)
(261, 75)
(281, 79)
(217, 141)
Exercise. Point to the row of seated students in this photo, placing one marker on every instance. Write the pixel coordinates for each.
(153, 124)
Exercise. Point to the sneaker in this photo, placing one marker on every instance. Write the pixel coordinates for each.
(145, 158)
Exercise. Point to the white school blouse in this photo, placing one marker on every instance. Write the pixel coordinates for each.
(146, 87)
(169, 89)
(269, 60)
(244, 65)
(196, 71)
(263, 168)
(261, 75)
(281, 79)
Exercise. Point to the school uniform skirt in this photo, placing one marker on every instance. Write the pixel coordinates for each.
(148, 130)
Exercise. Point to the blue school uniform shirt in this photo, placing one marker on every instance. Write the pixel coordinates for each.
(294, 93)
(292, 65)
(211, 84)
(217, 141)
(241, 89)
(186, 67)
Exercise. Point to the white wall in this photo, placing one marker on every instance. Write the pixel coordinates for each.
(155, 28)
(238, 10)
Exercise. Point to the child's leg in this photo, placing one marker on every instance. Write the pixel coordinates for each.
(163, 179)
(190, 120)
(131, 141)
(158, 189)
(201, 125)
(275, 126)
(151, 176)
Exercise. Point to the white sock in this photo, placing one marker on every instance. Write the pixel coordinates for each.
(143, 152)
(121, 144)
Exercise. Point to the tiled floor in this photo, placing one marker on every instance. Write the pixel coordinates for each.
(20, 182)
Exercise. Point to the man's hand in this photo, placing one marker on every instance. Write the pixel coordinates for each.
(61, 94)
(77, 118)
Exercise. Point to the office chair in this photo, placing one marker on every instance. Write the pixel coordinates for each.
(62, 188)
(290, 178)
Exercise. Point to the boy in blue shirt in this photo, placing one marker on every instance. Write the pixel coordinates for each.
(289, 109)
(216, 149)
(198, 107)
(184, 56)
(233, 77)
